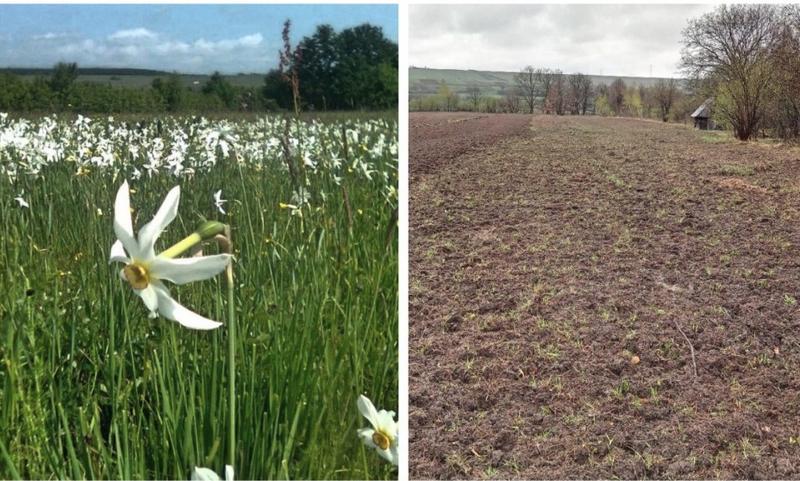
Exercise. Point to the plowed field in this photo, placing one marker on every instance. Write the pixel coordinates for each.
(596, 297)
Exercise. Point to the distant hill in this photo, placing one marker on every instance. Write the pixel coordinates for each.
(135, 77)
(425, 81)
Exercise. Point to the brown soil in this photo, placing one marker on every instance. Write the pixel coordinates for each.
(450, 135)
(598, 297)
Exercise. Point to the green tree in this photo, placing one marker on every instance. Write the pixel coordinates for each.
(62, 80)
(353, 69)
(602, 107)
(633, 102)
(171, 91)
(221, 88)
(317, 70)
(388, 80)
(276, 90)
(362, 51)
(12, 92)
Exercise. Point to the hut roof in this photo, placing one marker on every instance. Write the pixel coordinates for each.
(704, 110)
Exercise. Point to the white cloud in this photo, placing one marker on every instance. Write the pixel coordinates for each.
(251, 40)
(143, 48)
(49, 36)
(227, 45)
(171, 47)
(132, 34)
(87, 46)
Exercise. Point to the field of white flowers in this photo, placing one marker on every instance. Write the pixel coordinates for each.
(98, 380)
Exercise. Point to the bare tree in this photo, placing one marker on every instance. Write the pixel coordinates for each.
(783, 106)
(474, 96)
(544, 79)
(616, 95)
(664, 93)
(511, 100)
(646, 98)
(581, 92)
(558, 93)
(525, 81)
(731, 47)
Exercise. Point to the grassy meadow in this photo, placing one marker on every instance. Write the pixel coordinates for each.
(90, 387)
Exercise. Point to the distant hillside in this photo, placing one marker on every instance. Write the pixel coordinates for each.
(425, 81)
(135, 77)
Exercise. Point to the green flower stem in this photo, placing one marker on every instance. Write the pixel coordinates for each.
(231, 355)
(206, 231)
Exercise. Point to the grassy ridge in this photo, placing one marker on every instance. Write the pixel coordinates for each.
(93, 388)
(425, 81)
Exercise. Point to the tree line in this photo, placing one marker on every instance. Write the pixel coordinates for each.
(352, 69)
(745, 58)
(550, 91)
(63, 92)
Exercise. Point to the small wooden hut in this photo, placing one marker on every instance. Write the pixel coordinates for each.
(702, 116)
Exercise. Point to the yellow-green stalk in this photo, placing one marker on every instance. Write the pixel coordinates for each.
(206, 231)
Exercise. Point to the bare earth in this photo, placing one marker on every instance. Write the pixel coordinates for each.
(597, 297)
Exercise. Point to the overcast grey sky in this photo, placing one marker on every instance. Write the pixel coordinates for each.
(623, 40)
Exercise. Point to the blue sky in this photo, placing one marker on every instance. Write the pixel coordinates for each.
(184, 38)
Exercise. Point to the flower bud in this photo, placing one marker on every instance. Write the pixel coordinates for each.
(210, 228)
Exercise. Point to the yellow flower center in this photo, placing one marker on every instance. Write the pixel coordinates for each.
(137, 275)
(381, 440)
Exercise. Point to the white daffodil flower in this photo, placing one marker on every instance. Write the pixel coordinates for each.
(21, 201)
(383, 436)
(219, 201)
(205, 474)
(145, 271)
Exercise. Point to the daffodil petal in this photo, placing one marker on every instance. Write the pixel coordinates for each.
(118, 253)
(366, 437)
(189, 269)
(386, 423)
(390, 454)
(228, 472)
(123, 227)
(149, 296)
(204, 474)
(166, 214)
(170, 309)
(367, 409)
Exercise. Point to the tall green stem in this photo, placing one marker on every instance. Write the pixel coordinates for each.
(207, 230)
(231, 357)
